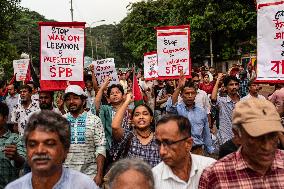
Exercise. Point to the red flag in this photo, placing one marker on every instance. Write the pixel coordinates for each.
(138, 98)
(28, 75)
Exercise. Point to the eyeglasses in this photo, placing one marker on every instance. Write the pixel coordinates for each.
(167, 143)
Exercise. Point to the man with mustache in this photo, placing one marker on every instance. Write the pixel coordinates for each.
(87, 152)
(257, 163)
(179, 169)
(24, 110)
(225, 105)
(47, 139)
(46, 101)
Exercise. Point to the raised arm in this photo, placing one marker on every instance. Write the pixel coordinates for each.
(181, 83)
(216, 87)
(117, 130)
(100, 94)
(94, 79)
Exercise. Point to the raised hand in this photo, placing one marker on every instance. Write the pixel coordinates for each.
(182, 80)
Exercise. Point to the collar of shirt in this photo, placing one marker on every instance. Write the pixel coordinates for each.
(79, 116)
(187, 108)
(228, 99)
(168, 174)
(6, 135)
(278, 161)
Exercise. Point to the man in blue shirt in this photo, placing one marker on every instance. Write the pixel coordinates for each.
(196, 115)
(47, 138)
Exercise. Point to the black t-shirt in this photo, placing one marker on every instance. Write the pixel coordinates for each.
(227, 148)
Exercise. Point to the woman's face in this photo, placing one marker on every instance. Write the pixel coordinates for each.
(142, 118)
(206, 79)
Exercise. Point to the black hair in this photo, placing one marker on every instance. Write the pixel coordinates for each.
(194, 74)
(52, 122)
(4, 110)
(149, 110)
(115, 86)
(183, 123)
(26, 87)
(229, 78)
(189, 84)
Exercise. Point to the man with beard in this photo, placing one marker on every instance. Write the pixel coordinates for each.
(87, 150)
(225, 105)
(22, 111)
(197, 116)
(179, 169)
(46, 101)
(47, 139)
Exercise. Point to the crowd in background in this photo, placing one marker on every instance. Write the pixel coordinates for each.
(197, 115)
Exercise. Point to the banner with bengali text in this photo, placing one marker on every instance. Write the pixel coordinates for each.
(150, 66)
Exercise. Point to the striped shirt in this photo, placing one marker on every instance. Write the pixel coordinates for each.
(166, 179)
(87, 142)
(225, 106)
(234, 172)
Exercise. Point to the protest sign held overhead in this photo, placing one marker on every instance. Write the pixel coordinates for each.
(150, 66)
(270, 42)
(21, 68)
(62, 51)
(173, 50)
(105, 68)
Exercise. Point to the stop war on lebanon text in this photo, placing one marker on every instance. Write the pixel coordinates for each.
(60, 60)
(52, 45)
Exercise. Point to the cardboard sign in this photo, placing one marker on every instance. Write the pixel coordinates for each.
(173, 49)
(62, 52)
(20, 68)
(270, 42)
(150, 66)
(105, 68)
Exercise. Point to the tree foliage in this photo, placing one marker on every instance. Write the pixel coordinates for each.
(231, 23)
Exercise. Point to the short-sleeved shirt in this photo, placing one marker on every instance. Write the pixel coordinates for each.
(234, 172)
(87, 142)
(69, 179)
(225, 106)
(149, 152)
(21, 115)
(8, 171)
(11, 102)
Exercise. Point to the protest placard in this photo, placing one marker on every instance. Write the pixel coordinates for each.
(20, 68)
(173, 50)
(150, 66)
(62, 54)
(105, 68)
(270, 41)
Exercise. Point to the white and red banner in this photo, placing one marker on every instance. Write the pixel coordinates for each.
(105, 68)
(270, 41)
(61, 54)
(173, 50)
(21, 68)
(150, 66)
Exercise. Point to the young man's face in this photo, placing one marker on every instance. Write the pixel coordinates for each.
(25, 95)
(188, 95)
(45, 101)
(74, 103)
(232, 87)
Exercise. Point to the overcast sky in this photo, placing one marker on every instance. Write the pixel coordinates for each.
(84, 10)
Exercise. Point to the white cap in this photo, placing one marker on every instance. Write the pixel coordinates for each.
(76, 89)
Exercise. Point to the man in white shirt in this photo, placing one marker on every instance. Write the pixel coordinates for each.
(179, 169)
(253, 91)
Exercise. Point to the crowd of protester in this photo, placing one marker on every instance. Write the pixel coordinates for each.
(213, 130)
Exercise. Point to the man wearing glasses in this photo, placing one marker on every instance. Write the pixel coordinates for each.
(179, 168)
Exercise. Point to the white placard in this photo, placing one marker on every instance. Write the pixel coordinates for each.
(105, 68)
(20, 68)
(150, 66)
(173, 51)
(62, 53)
(270, 41)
